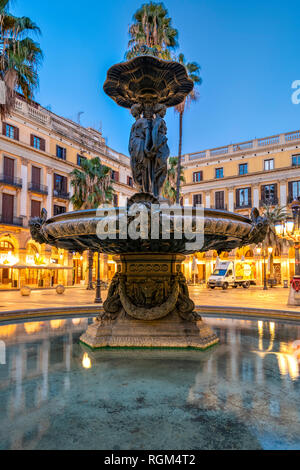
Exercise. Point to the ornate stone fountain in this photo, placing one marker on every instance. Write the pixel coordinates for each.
(148, 303)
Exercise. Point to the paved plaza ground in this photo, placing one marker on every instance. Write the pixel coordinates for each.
(255, 297)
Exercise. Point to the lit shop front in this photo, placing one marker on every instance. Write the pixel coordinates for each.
(8, 258)
(32, 267)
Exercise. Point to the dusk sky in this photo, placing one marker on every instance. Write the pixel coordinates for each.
(248, 51)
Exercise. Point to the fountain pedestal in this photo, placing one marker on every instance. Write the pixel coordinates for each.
(148, 305)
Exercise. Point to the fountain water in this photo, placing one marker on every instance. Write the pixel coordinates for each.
(148, 303)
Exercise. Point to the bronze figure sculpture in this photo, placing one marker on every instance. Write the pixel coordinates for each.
(148, 149)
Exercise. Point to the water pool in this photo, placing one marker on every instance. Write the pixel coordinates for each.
(242, 394)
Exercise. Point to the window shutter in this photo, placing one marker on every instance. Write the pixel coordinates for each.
(250, 197)
(4, 128)
(64, 184)
(290, 189)
(275, 193)
(64, 153)
(237, 197)
(36, 175)
(16, 133)
(31, 140)
(43, 144)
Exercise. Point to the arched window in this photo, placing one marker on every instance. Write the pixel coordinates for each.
(249, 254)
(6, 247)
(32, 249)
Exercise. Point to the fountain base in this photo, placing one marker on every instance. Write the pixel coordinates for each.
(148, 305)
(169, 332)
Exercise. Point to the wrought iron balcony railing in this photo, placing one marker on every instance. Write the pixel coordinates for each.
(38, 188)
(18, 221)
(61, 194)
(243, 206)
(268, 202)
(219, 207)
(11, 181)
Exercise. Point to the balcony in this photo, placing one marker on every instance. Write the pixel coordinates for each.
(268, 202)
(11, 181)
(219, 208)
(17, 221)
(61, 194)
(38, 188)
(244, 206)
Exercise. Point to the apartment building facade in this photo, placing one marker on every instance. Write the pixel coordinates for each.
(38, 151)
(239, 177)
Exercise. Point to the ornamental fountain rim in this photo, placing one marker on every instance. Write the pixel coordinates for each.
(92, 213)
(170, 82)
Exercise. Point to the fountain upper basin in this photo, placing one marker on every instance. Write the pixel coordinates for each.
(77, 231)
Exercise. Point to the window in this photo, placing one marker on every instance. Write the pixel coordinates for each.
(115, 175)
(60, 184)
(61, 152)
(243, 169)
(197, 176)
(294, 190)
(116, 200)
(80, 159)
(269, 164)
(59, 210)
(197, 199)
(129, 181)
(219, 200)
(35, 176)
(37, 142)
(219, 173)
(9, 168)
(243, 197)
(6, 247)
(269, 194)
(10, 131)
(295, 160)
(35, 208)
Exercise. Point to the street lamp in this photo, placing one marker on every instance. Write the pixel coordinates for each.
(290, 230)
(98, 299)
(259, 250)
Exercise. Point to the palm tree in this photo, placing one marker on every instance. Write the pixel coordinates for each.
(193, 71)
(152, 28)
(92, 188)
(20, 56)
(169, 188)
(274, 216)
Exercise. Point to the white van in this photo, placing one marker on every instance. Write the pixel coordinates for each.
(225, 275)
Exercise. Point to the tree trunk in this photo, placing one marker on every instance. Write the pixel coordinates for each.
(179, 159)
(90, 274)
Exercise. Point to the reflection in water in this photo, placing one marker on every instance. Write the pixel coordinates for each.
(243, 393)
(56, 324)
(86, 361)
(288, 356)
(34, 327)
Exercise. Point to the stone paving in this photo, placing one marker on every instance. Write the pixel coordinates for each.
(255, 297)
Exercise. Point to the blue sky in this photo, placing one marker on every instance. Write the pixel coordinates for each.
(248, 51)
